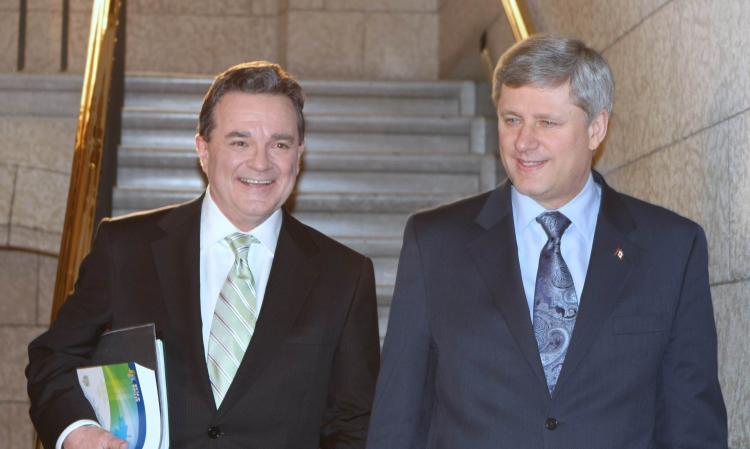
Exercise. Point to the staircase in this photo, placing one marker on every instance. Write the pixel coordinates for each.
(375, 153)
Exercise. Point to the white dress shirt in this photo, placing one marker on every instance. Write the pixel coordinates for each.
(576, 242)
(217, 258)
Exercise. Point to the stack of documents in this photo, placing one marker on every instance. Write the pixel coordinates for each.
(127, 389)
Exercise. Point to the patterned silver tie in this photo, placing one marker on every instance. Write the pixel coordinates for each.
(555, 299)
(234, 318)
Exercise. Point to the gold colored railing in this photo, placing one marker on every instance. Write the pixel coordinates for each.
(89, 147)
(87, 157)
(516, 12)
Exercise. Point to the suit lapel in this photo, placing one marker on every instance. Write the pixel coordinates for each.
(612, 257)
(177, 258)
(293, 273)
(495, 254)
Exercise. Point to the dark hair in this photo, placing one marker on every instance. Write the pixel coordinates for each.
(256, 77)
(550, 61)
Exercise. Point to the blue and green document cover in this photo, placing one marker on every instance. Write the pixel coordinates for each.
(129, 399)
(126, 402)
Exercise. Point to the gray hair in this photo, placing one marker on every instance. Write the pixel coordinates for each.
(256, 77)
(550, 61)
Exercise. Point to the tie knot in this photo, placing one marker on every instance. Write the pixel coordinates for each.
(553, 223)
(240, 244)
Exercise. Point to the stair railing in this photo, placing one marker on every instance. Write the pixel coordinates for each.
(88, 152)
(89, 148)
(516, 12)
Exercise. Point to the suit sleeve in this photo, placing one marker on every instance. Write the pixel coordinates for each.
(405, 389)
(690, 408)
(56, 398)
(354, 369)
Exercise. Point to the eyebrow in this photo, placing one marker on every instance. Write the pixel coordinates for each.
(282, 136)
(535, 116)
(242, 135)
(237, 134)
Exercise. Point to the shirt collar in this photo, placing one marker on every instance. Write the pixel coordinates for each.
(215, 226)
(581, 210)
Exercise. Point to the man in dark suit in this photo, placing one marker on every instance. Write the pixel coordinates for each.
(282, 352)
(552, 312)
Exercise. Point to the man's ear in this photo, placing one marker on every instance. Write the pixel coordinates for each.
(201, 147)
(300, 152)
(597, 129)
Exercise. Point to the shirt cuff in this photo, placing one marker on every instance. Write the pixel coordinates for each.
(71, 428)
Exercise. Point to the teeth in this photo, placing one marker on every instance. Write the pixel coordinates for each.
(530, 163)
(255, 181)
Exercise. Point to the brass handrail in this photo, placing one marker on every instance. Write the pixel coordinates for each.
(87, 156)
(516, 12)
(84, 176)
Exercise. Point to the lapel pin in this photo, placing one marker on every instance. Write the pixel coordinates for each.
(619, 253)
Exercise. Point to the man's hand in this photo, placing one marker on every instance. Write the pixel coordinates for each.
(92, 437)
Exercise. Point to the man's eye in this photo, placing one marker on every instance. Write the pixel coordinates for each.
(511, 120)
(547, 123)
(238, 143)
(281, 145)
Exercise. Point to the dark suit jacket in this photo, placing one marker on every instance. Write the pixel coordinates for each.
(461, 368)
(307, 377)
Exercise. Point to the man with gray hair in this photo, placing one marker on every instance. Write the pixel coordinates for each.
(553, 311)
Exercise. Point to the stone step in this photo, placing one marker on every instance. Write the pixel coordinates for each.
(385, 271)
(374, 246)
(40, 95)
(437, 98)
(384, 134)
(164, 120)
(319, 161)
(346, 225)
(312, 181)
(326, 142)
(131, 199)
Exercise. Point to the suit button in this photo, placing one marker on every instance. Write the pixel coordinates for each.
(214, 432)
(550, 424)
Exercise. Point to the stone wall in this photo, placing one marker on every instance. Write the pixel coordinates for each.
(38, 116)
(680, 137)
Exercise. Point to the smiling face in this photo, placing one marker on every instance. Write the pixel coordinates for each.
(252, 157)
(546, 145)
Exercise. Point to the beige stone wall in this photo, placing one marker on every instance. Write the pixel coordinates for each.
(358, 39)
(680, 137)
(462, 23)
(314, 39)
(37, 127)
(9, 16)
(196, 36)
(331, 39)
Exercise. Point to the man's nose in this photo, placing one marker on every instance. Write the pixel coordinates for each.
(526, 138)
(258, 160)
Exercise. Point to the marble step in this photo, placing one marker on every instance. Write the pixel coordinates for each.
(129, 199)
(180, 158)
(345, 225)
(312, 181)
(166, 120)
(436, 98)
(384, 134)
(40, 95)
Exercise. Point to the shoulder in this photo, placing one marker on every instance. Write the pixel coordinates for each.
(655, 225)
(314, 240)
(458, 213)
(148, 222)
(454, 222)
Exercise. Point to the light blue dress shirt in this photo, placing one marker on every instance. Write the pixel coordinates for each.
(576, 243)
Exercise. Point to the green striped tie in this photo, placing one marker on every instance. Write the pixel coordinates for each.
(234, 318)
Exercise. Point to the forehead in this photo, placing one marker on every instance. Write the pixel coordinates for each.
(240, 107)
(533, 97)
